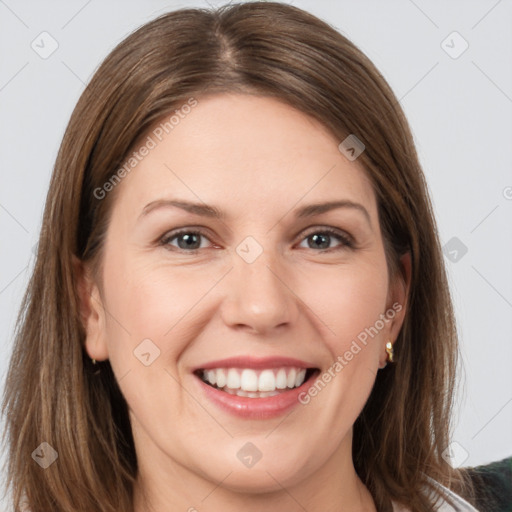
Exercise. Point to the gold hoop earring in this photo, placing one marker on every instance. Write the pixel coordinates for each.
(389, 350)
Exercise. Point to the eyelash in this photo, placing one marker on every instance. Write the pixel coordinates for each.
(346, 241)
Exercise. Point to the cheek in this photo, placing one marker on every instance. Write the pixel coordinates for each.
(169, 303)
(348, 300)
(149, 324)
(157, 302)
(348, 304)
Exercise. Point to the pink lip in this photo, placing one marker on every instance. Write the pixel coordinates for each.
(254, 362)
(256, 408)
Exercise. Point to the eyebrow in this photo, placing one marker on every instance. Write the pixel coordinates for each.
(205, 210)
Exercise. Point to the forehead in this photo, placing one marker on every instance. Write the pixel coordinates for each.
(244, 152)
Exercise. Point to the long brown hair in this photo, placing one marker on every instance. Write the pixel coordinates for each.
(52, 392)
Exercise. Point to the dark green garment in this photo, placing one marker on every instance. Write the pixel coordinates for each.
(493, 486)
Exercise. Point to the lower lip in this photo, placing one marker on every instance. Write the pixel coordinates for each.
(256, 408)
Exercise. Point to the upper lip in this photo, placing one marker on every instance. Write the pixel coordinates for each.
(254, 362)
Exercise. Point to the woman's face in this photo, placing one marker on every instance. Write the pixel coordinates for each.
(247, 280)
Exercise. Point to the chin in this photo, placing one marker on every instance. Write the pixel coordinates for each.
(264, 476)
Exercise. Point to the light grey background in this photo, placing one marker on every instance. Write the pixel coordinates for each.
(459, 110)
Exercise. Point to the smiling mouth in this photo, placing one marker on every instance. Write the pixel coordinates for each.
(256, 383)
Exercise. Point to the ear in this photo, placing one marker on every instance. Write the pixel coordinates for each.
(92, 312)
(397, 302)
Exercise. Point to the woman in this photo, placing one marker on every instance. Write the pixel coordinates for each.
(239, 298)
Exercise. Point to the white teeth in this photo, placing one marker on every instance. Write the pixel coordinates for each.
(281, 379)
(233, 380)
(291, 378)
(267, 381)
(300, 377)
(211, 376)
(221, 377)
(256, 394)
(248, 380)
(255, 383)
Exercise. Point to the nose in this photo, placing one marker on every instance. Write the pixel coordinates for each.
(259, 298)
